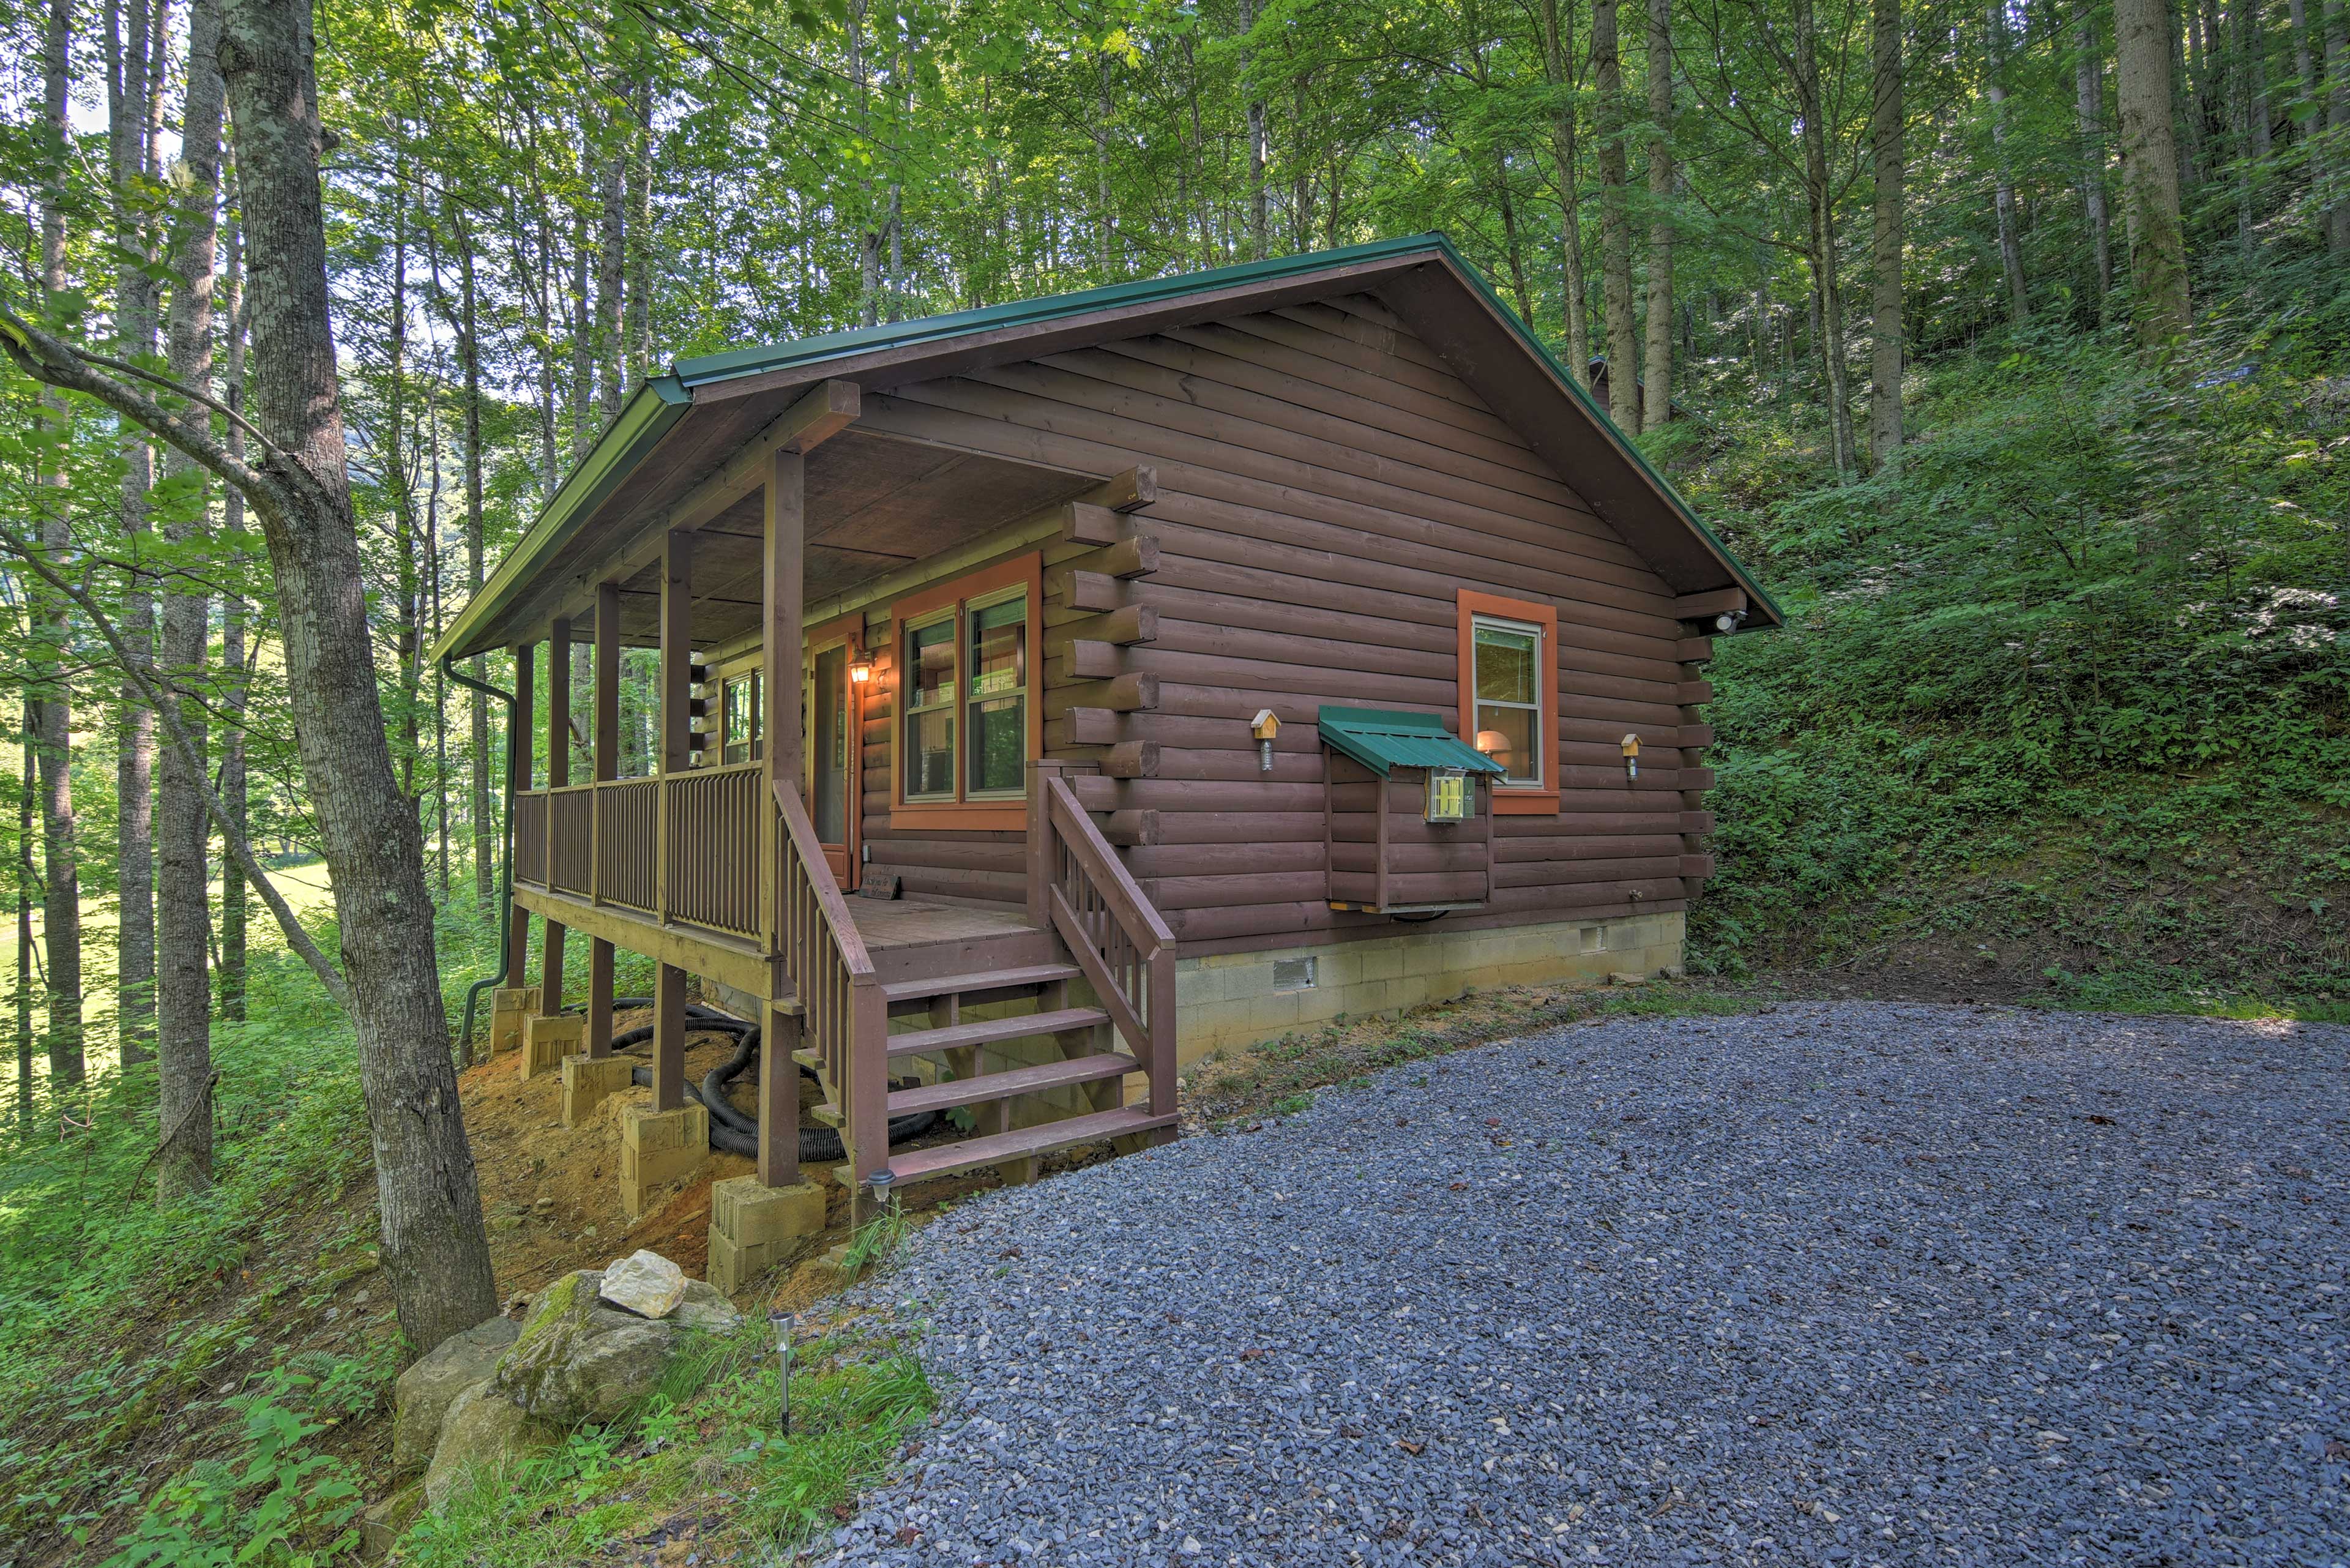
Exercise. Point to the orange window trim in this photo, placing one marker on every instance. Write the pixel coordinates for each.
(846, 631)
(1514, 800)
(998, 815)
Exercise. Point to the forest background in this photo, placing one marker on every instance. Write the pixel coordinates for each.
(2008, 343)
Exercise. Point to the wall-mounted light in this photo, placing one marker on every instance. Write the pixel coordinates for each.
(1729, 621)
(1631, 757)
(1265, 727)
(860, 670)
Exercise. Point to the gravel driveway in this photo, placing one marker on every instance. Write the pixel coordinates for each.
(1844, 1282)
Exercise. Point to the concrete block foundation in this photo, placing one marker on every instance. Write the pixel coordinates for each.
(546, 1042)
(753, 1226)
(587, 1081)
(510, 1008)
(657, 1150)
(1239, 999)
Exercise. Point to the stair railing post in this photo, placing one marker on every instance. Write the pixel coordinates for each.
(1042, 773)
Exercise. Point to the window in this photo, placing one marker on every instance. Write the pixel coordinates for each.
(1509, 696)
(969, 692)
(740, 718)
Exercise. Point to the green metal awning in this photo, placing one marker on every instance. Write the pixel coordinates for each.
(1380, 739)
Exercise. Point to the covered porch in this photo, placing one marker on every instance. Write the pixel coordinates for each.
(734, 856)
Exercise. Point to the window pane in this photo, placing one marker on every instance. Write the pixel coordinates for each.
(1506, 664)
(930, 664)
(999, 647)
(828, 726)
(1516, 728)
(999, 744)
(929, 755)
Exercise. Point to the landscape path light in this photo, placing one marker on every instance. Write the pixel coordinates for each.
(781, 1321)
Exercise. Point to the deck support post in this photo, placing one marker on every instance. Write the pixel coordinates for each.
(608, 767)
(518, 770)
(558, 775)
(783, 581)
(677, 756)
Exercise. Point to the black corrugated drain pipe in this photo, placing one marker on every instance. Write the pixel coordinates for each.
(506, 856)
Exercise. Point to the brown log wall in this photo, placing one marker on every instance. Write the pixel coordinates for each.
(1327, 486)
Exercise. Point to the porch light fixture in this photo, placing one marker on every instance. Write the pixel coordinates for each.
(860, 670)
(1632, 747)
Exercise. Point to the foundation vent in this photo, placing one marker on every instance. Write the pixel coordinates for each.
(1595, 938)
(1292, 974)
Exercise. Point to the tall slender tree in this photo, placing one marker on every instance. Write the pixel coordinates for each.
(1887, 129)
(1656, 398)
(2142, 46)
(1615, 222)
(183, 1163)
(1559, 74)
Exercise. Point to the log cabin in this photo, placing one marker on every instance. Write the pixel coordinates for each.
(1051, 693)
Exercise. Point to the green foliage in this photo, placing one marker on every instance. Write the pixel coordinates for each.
(274, 1503)
(854, 1399)
(2098, 609)
(877, 1240)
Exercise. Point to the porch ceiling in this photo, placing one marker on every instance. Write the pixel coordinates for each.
(874, 504)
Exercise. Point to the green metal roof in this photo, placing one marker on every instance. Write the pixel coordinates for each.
(666, 401)
(1380, 739)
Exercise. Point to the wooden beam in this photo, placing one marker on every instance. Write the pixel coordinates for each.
(784, 572)
(1712, 602)
(608, 766)
(518, 770)
(676, 652)
(822, 412)
(558, 703)
(1086, 522)
(1130, 492)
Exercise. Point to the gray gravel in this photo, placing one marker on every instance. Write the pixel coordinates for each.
(1850, 1282)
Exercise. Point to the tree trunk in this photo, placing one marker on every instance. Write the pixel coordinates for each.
(1558, 55)
(53, 692)
(1888, 132)
(1260, 240)
(237, 694)
(130, 90)
(26, 792)
(640, 338)
(1657, 394)
(1827, 291)
(2337, 123)
(436, 1251)
(469, 363)
(183, 1040)
(611, 269)
(1615, 225)
(2010, 248)
(2150, 169)
(2089, 117)
(583, 339)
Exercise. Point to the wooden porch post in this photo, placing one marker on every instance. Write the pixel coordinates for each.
(784, 587)
(677, 755)
(517, 781)
(559, 773)
(608, 765)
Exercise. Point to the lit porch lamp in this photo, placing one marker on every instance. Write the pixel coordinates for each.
(860, 670)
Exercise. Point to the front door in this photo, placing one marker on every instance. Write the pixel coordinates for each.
(834, 743)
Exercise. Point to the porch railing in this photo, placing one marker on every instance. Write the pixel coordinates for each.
(1078, 885)
(530, 837)
(686, 847)
(628, 843)
(710, 819)
(571, 838)
(844, 1016)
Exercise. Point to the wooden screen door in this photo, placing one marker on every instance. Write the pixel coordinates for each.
(834, 743)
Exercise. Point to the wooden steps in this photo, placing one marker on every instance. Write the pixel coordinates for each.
(912, 1165)
(988, 1031)
(1018, 1081)
(982, 980)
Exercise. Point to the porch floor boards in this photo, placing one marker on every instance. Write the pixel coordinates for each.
(912, 922)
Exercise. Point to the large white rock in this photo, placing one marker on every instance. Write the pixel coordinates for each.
(645, 1284)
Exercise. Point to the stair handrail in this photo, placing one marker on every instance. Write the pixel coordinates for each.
(1138, 989)
(843, 1013)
